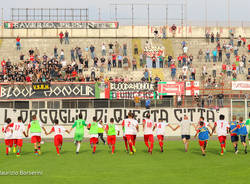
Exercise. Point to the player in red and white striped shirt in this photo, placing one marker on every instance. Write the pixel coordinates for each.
(129, 125)
(58, 137)
(7, 130)
(160, 131)
(18, 130)
(148, 126)
(222, 129)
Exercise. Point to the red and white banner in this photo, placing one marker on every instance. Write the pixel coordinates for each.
(192, 88)
(171, 88)
(241, 85)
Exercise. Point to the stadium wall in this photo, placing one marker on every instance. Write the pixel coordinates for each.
(123, 32)
(67, 117)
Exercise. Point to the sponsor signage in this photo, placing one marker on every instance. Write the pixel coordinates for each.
(60, 25)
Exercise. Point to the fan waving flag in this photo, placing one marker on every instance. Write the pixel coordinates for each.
(192, 88)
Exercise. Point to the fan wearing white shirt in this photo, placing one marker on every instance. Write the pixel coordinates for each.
(185, 131)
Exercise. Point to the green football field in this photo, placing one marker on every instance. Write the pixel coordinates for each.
(172, 166)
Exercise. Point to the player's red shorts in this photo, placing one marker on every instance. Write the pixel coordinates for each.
(9, 142)
(35, 139)
(134, 137)
(18, 142)
(111, 139)
(222, 139)
(202, 143)
(58, 140)
(130, 137)
(160, 137)
(125, 138)
(149, 138)
(93, 140)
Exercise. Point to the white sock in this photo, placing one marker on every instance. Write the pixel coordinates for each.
(78, 147)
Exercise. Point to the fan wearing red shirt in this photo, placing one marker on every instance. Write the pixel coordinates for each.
(61, 37)
(58, 138)
(18, 44)
(248, 47)
(234, 66)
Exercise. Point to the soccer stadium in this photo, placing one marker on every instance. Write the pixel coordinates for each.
(124, 92)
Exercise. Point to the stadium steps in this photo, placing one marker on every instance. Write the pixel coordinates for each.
(158, 72)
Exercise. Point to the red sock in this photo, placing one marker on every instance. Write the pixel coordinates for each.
(94, 148)
(113, 148)
(146, 142)
(57, 150)
(130, 146)
(161, 144)
(126, 144)
(7, 150)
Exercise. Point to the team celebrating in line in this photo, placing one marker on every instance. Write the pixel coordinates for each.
(15, 132)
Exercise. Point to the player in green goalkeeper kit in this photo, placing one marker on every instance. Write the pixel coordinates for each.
(79, 132)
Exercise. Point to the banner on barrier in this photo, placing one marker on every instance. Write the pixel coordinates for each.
(130, 90)
(57, 91)
(171, 88)
(68, 116)
(60, 25)
(241, 85)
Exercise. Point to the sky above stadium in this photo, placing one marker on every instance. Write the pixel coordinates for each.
(216, 9)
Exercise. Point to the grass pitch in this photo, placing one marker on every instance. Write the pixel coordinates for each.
(172, 166)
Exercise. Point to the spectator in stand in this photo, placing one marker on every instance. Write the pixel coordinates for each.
(184, 72)
(62, 55)
(193, 72)
(114, 60)
(119, 61)
(18, 43)
(95, 61)
(173, 70)
(248, 48)
(220, 55)
(111, 48)
(61, 37)
(179, 101)
(214, 70)
(164, 32)
(141, 60)
(179, 61)
(207, 36)
(124, 49)
(209, 100)
(220, 100)
(239, 41)
(148, 103)
(66, 37)
(214, 55)
(154, 61)
(229, 70)
(161, 59)
(207, 56)
(200, 55)
(109, 64)
(72, 54)
(137, 101)
(212, 37)
(134, 63)
(125, 62)
(92, 51)
(185, 49)
(55, 52)
(146, 75)
(103, 50)
(217, 37)
(136, 49)
(173, 29)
